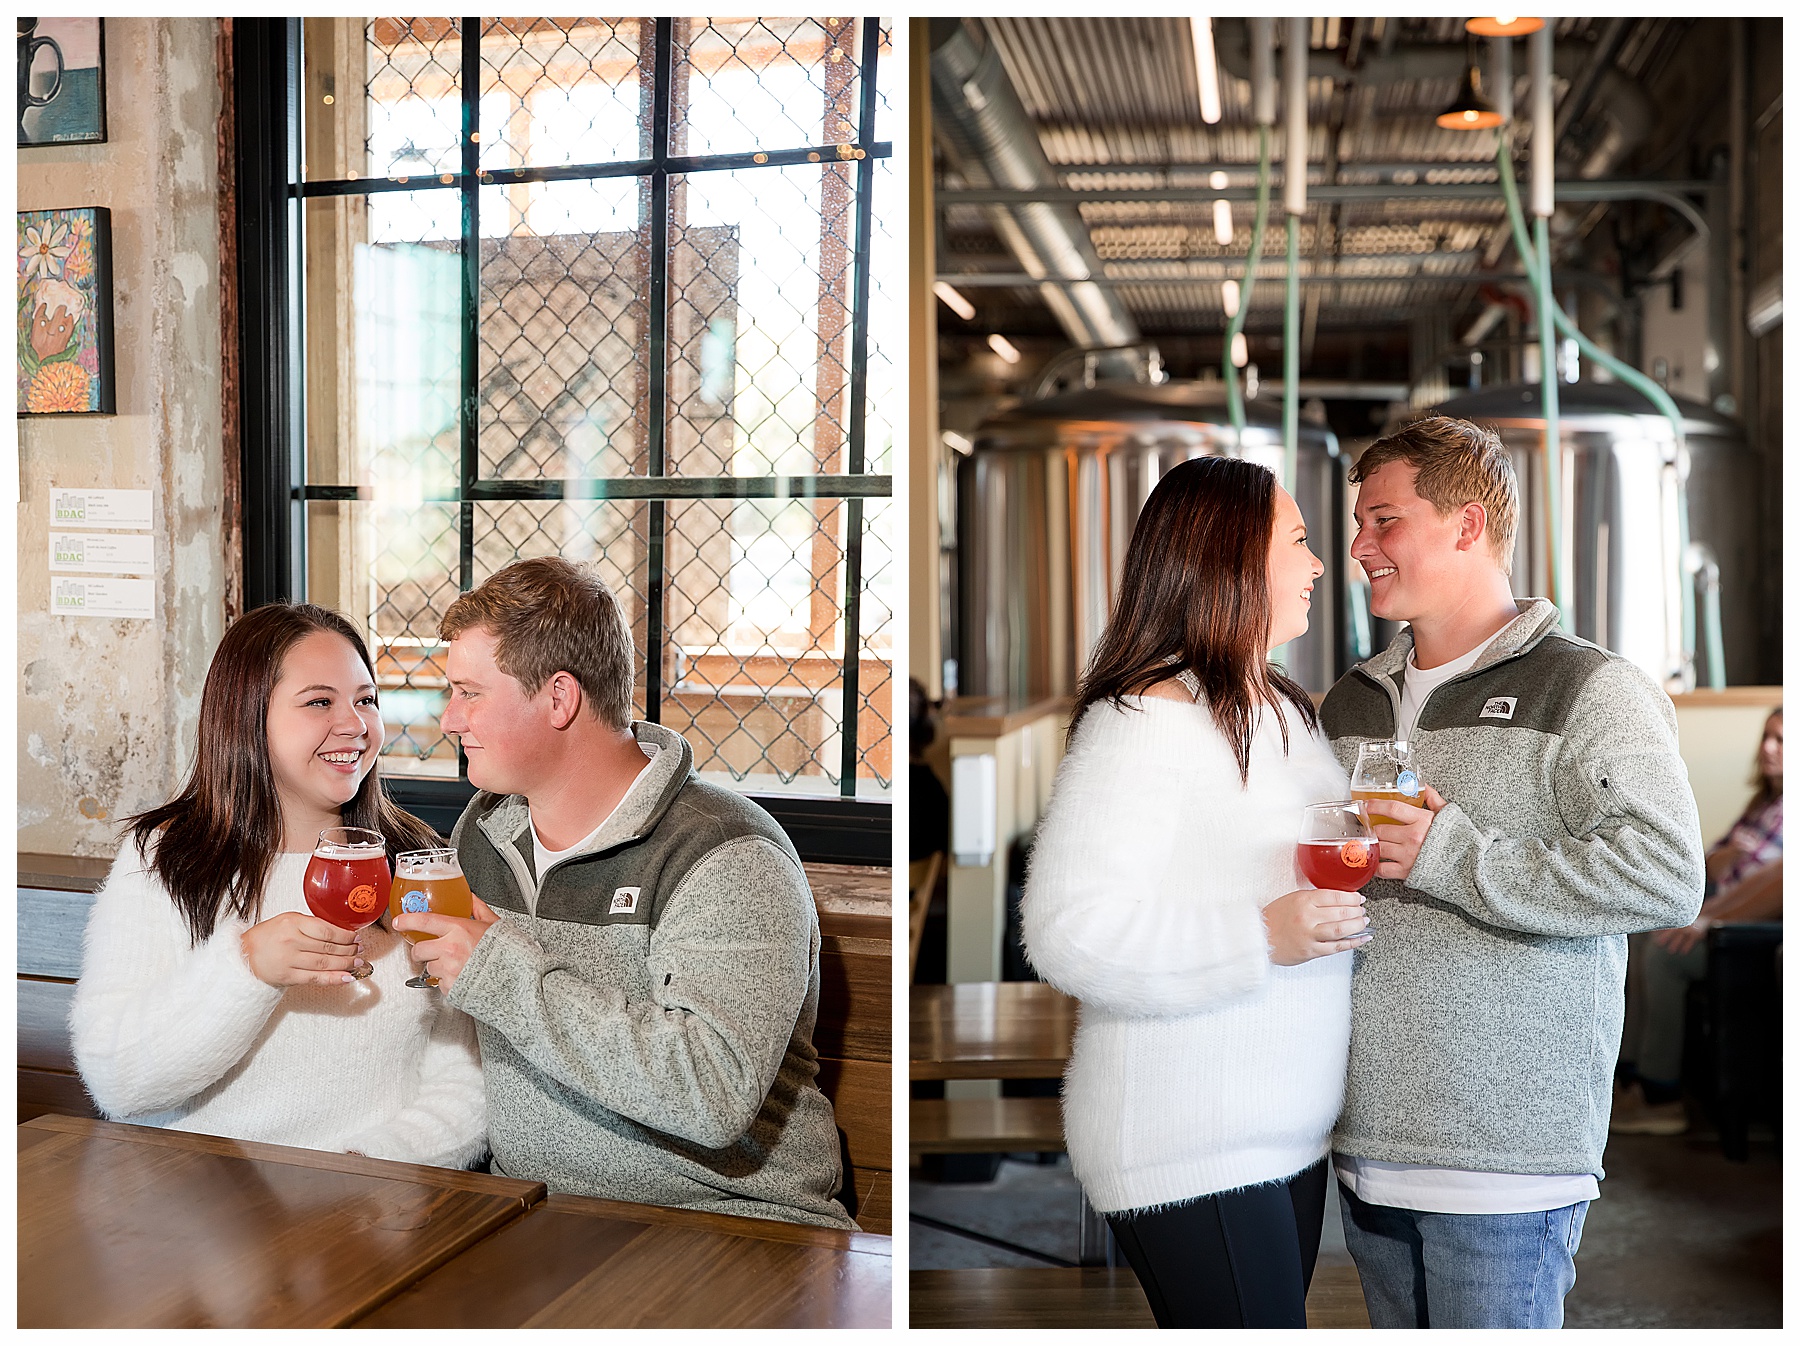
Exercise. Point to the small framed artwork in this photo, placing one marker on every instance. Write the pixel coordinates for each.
(65, 311)
(62, 82)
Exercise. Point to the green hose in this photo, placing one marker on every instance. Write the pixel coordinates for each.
(1658, 396)
(1234, 396)
(1290, 359)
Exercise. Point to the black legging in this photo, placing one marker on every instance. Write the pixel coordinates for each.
(1236, 1259)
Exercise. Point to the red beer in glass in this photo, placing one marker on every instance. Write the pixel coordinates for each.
(1342, 866)
(1338, 847)
(347, 880)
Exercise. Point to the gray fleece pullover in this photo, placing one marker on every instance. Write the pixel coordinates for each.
(1486, 1012)
(646, 1035)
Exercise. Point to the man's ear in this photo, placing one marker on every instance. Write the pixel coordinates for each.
(565, 700)
(1474, 526)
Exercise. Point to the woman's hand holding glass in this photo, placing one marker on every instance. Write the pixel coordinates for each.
(1337, 847)
(1314, 923)
(297, 949)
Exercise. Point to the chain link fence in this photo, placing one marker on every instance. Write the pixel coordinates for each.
(638, 318)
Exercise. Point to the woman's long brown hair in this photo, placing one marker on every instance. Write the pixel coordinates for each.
(1767, 787)
(1195, 596)
(217, 840)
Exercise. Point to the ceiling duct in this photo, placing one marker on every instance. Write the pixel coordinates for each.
(991, 142)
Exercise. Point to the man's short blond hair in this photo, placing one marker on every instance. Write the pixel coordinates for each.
(547, 617)
(1458, 463)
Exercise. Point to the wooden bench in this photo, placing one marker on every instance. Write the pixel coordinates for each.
(855, 1031)
(1091, 1297)
(1006, 1030)
(55, 894)
(854, 1034)
(985, 1126)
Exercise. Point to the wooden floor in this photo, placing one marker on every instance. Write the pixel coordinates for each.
(1090, 1297)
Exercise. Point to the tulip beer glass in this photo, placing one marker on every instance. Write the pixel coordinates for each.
(429, 881)
(345, 879)
(1338, 847)
(1384, 770)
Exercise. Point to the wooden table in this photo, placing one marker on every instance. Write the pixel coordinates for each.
(138, 1227)
(131, 1226)
(1008, 1030)
(580, 1262)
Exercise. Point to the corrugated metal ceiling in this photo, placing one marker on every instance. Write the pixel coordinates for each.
(1116, 105)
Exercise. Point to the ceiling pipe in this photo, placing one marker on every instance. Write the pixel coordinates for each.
(1293, 193)
(1293, 88)
(1543, 206)
(1543, 122)
(991, 141)
(1500, 75)
(1260, 34)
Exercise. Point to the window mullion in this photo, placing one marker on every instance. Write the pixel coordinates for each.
(656, 425)
(471, 301)
(268, 250)
(470, 437)
(859, 395)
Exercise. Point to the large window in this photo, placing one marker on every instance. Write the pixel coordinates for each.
(619, 290)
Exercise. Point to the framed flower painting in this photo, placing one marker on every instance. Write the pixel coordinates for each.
(65, 311)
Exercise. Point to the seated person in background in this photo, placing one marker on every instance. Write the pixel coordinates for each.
(1743, 874)
(643, 963)
(211, 998)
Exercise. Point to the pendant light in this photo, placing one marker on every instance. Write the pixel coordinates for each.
(1469, 111)
(1503, 27)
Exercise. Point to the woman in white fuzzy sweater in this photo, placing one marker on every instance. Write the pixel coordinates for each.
(211, 999)
(1215, 1004)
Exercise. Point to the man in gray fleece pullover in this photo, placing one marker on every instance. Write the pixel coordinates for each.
(1556, 819)
(643, 964)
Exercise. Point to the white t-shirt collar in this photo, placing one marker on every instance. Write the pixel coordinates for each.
(543, 857)
(1421, 683)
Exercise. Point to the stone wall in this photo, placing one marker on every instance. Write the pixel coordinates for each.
(107, 708)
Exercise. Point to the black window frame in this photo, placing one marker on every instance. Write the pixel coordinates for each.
(271, 194)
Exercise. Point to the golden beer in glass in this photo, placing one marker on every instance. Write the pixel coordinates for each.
(1385, 770)
(429, 881)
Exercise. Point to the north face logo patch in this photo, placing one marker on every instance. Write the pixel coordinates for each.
(624, 900)
(1499, 708)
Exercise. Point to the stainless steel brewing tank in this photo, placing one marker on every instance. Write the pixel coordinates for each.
(1046, 502)
(1620, 484)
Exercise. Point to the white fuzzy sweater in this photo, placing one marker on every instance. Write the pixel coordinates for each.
(166, 1034)
(1198, 1065)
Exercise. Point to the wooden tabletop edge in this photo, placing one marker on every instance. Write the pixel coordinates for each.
(743, 1226)
(488, 1184)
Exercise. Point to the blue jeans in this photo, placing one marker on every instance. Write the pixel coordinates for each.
(1423, 1269)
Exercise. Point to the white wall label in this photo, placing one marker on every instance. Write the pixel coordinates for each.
(975, 808)
(99, 509)
(102, 553)
(72, 597)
